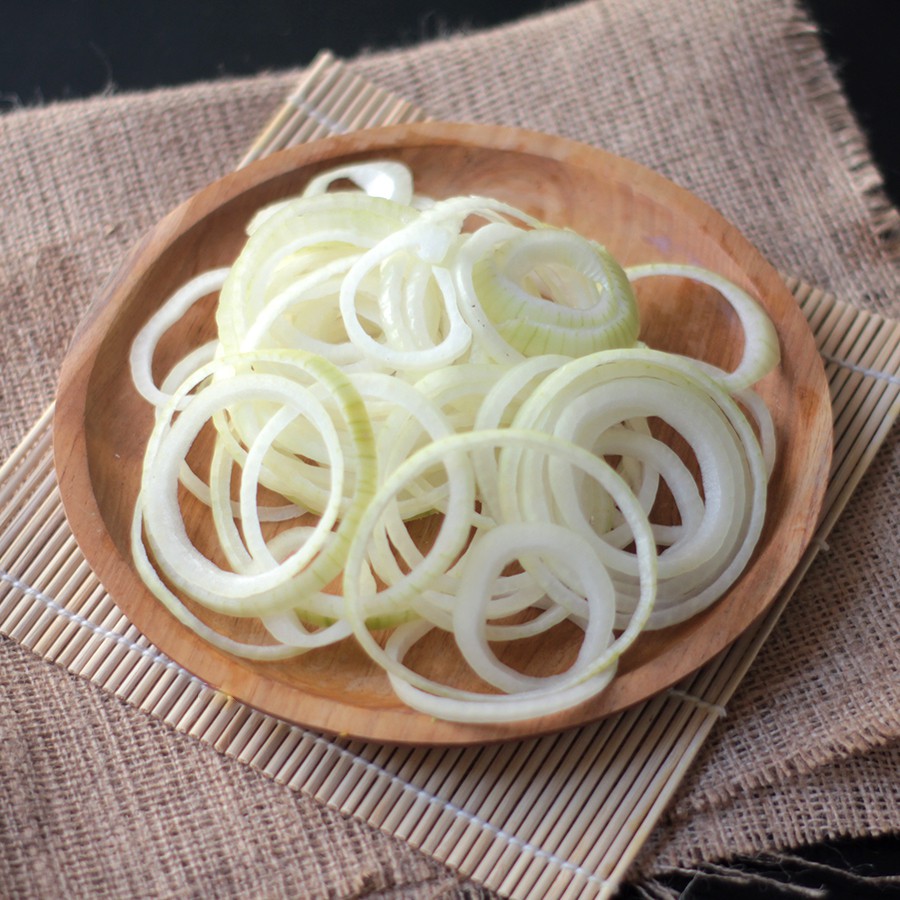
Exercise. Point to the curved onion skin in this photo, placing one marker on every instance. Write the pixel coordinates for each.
(462, 426)
(140, 358)
(302, 250)
(761, 350)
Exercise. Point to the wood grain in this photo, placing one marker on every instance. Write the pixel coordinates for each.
(101, 425)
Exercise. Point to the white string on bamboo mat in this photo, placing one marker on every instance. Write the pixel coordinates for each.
(145, 650)
(151, 653)
(863, 370)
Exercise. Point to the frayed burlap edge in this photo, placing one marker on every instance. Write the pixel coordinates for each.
(819, 76)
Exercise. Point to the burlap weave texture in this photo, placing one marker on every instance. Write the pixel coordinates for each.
(732, 100)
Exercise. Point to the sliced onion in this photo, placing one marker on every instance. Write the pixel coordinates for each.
(553, 291)
(271, 588)
(391, 365)
(761, 351)
(451, 452)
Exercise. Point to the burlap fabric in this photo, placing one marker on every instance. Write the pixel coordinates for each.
(734, 100)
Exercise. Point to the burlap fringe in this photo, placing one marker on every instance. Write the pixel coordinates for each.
(785, 875)
(867, 739)
(824, 90)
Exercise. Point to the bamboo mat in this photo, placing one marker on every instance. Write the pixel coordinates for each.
(561, 816)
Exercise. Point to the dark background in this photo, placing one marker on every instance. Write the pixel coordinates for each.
(63, 49)
(58, 49)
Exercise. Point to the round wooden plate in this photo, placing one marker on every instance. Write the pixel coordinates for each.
(101, 424)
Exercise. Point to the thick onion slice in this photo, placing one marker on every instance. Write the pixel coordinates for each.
(548, 291)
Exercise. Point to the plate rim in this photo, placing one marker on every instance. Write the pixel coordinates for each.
(69, 427)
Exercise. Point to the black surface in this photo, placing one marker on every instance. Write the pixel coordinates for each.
(67, 48)
(60, 49)
(862, 38)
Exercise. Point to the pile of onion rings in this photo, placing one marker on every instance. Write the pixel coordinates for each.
(383, 359)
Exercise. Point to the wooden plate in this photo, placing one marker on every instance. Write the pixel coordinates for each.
(101, 424)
